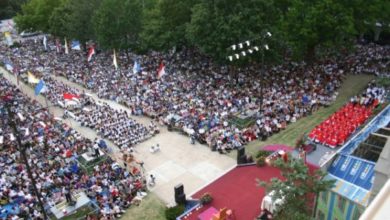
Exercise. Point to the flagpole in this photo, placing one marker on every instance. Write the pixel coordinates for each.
(47, 104)
(22, 149)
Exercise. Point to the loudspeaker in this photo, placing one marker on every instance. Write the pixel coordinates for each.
(179, 190)
(180, 199)
(242, 160)
(240, 152)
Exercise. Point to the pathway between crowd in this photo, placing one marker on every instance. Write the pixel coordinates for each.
(178, 161)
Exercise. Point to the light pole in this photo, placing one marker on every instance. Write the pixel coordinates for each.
(22, 148)
(244, 48)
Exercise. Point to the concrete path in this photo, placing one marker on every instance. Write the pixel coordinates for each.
(178, 161)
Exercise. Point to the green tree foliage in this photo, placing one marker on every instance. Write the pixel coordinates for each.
(35, 15)
(117, 24)
(217, 24)
(165, 24)
(312, 23)
(80, 26)
(297, 189)
(59, 21)
(9, 8)
(303, 27)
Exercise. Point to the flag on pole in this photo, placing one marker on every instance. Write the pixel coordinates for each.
(68, 96)
(31, 78)
(136, 67)
(114, 61)
(161, 70)
(76, 45)
(66, 47)
(45, 42)
(71, 99)
(91, 52)
(40, 87)
(58, 45)
(8, 38)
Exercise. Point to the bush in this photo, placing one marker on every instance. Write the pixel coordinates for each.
(260, 162)
(206, 199)
(173, 212)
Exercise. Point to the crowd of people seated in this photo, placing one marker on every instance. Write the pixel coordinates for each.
(369, 58)
(115, 125)
(53, 149)
(199, 95)
(335, 130)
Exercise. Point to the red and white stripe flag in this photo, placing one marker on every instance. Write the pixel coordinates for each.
(71, 99)
(69, 96)
(91, 52)
(161, 70)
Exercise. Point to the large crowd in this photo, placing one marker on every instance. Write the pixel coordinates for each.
(371, 58)
(196, 96)
(54, 150)
(201, 98)
(115, 125)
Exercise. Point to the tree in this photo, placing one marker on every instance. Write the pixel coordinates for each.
(367, 16)
(9, 8)
(165, 24)
(312, 23)
(60, 19)
(35, 15)
(217, 24)
(80, 25)
(297, 189)
(117, 24)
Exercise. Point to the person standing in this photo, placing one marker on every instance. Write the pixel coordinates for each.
(192, 139)
(96, 148)
(66, 192)
(152, 180)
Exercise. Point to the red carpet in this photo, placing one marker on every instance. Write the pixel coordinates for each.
(237, 190)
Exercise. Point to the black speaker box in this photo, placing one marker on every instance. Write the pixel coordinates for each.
(179, 189)
(242, 160)
(240, 152)
(180, 199)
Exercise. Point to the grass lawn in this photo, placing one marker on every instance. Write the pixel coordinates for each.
(352, 85)
(383, 81)
(80, 214)
(88, 166)
(242, 122)
(151, 208)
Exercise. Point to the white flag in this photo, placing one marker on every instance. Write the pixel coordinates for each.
(45, 42)
(66, 47)
(114, 61)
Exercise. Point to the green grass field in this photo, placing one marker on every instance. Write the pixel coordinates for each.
(242, 123)
(80, 214)
(151, 208)
(89, 166)
(352, 85)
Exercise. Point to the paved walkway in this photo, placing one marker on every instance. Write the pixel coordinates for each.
(178, 161)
